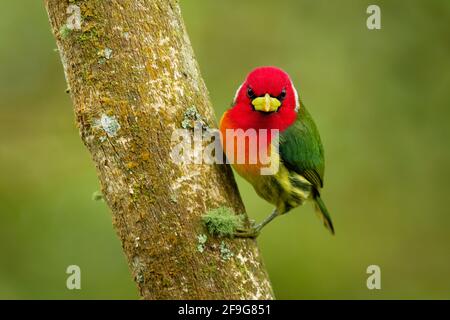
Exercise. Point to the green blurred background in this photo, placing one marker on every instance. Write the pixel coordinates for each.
(380, 99)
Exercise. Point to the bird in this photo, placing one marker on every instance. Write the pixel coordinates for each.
(267, 109)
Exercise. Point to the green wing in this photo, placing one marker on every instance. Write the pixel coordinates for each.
(302, 152)
(301, 149)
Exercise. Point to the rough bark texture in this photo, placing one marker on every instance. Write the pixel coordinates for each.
(132, 75)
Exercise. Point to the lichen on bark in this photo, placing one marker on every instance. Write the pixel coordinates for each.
(132, 75)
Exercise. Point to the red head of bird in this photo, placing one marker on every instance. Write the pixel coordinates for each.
(266, 100)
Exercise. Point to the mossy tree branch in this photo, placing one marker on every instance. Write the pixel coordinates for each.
(132, 74)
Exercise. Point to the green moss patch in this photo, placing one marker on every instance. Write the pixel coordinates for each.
(222, 222)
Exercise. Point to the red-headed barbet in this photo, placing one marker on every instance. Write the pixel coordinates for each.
(268, 112)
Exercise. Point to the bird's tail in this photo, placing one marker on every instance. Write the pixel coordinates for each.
(323, 214)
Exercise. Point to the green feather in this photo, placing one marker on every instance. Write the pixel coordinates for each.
(323, 213)
(301, 151)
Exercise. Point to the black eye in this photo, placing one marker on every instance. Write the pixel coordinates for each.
(282, 95)
(250, 93)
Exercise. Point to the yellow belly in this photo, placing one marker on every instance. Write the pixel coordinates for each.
(284, 189)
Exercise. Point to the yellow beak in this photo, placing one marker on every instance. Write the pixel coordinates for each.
(266, 103)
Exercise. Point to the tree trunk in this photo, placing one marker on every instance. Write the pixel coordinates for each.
(132, 75)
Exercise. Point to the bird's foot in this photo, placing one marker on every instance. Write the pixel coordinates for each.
(252, 232)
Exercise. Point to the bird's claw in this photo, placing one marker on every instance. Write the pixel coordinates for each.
(247, 232)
